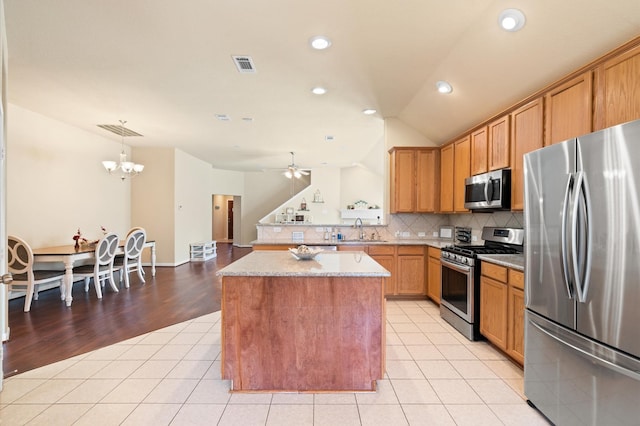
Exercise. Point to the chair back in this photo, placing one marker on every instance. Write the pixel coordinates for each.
(132, 230)
(20, 256)
(134, 243)
(106, 249)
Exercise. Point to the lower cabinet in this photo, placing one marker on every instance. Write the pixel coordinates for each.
(386, 256)
(502, 308)
(411, 271)
(434, 274)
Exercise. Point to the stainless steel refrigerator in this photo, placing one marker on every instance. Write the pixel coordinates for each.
(582, 278)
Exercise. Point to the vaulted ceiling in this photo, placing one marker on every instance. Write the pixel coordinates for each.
(166, 68)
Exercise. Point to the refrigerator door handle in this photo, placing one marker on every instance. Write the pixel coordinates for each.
(563, 239)
(580, 225)
(586, 240)
(598, 360)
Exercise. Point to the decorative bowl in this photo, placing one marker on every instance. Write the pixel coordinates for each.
(304, 253)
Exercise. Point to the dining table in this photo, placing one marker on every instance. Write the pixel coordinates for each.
(70, 255)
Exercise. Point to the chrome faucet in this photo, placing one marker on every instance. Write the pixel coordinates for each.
(361, 234)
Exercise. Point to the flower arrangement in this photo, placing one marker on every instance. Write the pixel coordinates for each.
(78, 238)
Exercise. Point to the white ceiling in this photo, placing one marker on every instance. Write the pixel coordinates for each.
(166, 67)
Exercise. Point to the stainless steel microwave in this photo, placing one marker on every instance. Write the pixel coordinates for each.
(488, 191)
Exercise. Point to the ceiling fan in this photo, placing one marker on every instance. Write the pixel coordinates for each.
(293, 170)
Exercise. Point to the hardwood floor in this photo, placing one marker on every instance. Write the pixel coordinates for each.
(52, 332)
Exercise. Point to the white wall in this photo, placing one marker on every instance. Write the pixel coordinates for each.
(56, 182)
(192, 203)
(153, 196)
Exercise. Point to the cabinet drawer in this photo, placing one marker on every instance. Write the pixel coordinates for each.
(382, 249)
(434, 252)
(516, 279)
(410, 250)
(494, 271)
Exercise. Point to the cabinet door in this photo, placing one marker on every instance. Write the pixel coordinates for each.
(434, 285)
(462, 168)
(526, 136)
(618, 90)
(446, 179)
(427, 183)
(411, 271)
(493, 311)
(568, 110)
(388, 262)
(515, 342)
(479, 149)
(403, 180)
(498, 132)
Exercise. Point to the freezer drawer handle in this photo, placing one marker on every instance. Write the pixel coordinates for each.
(635, 375)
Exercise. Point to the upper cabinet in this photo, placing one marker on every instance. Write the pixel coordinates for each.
(499, 143)
(526, 136)
(618, 90)
(568, 109)
(446, 179)
(462, 167)
(427, 179)
(414, 176)
(479, 151)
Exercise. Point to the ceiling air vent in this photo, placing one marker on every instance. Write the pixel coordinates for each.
(118, 130)
(244, 64)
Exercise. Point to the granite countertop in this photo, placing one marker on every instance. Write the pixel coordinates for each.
(283, 264)
(400, 241)
(513, 261)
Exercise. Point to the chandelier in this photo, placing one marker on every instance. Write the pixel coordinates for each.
(127, 169)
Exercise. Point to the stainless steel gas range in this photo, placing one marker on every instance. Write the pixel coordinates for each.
(460, 298)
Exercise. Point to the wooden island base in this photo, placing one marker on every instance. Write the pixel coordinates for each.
(302, 334)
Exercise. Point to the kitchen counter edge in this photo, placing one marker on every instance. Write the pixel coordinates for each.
(398, 242)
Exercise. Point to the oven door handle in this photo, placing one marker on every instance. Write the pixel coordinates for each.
(456, 267)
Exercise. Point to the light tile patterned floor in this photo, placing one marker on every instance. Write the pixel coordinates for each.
(172, 377)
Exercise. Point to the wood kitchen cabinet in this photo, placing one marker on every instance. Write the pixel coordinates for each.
(568, 109)
(414, 173)
(411, 271)
(515, 316)
(353, 247)
(499, 143)
(446, 179)
(526, 136)
(434, 275)
(502, 308)
(479, 151)
(462, 170)
(427, 179)
(493, 304)
(385, 255)
(617, 89)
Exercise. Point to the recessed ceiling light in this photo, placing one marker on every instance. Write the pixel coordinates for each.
(247, 119)
(444, 87)
(223, 117)
(320, 42)
(319, 90)
(369, 111)
(329, 138)
(511, 20)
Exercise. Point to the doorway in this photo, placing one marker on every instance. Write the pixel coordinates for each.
(224, 218)
(230, 220)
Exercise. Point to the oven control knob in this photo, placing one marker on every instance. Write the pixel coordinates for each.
(464, 260)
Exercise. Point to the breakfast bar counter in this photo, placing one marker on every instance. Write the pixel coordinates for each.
(293, 325)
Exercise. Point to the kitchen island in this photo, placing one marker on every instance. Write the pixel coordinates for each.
(303, 325)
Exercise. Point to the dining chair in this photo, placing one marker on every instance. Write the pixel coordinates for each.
(102, 269)
(132, 258)
(20, 264)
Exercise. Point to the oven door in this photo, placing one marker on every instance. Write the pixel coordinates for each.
(457, 289)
